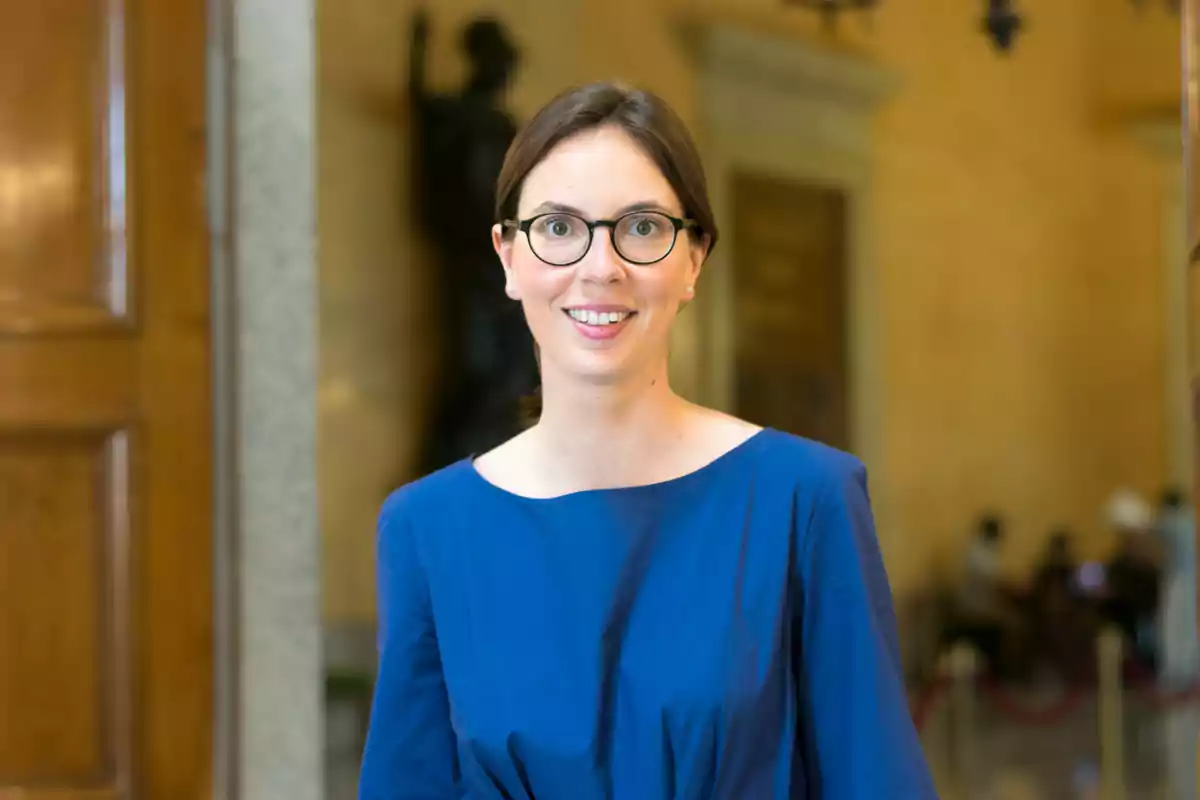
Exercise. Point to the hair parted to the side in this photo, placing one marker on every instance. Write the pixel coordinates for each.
(642, 115)
(645, 118)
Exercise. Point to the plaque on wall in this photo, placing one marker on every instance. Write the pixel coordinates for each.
(791, 370)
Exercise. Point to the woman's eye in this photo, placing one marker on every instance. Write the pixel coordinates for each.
(558, 227)
(644, 226)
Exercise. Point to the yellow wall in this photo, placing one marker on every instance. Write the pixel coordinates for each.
(373, 362)
(1017, 238)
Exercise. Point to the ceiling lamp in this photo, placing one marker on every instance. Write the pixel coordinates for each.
(1001, 24)
(830, 9)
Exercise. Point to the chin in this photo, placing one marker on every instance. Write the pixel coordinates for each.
(601, 362)
(600, 368)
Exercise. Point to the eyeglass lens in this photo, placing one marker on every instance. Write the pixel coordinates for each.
(642, 237)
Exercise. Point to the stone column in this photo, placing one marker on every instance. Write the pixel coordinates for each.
(268, 741)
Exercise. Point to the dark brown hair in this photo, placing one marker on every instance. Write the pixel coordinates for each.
(646, 119)
(642, 115)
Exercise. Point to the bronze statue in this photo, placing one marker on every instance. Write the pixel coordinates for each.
(460, 140)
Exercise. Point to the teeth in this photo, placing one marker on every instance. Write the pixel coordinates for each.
(597, 317)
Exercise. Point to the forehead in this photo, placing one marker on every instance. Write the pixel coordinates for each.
(597, 171)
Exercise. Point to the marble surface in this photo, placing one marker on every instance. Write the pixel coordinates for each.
(1001, 759)
(272, 157)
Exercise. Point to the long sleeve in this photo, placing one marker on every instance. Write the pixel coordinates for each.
(857, 735)
(410, 751)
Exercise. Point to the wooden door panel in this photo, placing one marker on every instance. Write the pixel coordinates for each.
(105, 451)
(63, 175)
(54, 379)
(63, 615)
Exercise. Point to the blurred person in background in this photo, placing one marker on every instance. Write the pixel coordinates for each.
(1179, 650)
(1059, 622)
(1130, 599)
(984, 615)
(636, 597)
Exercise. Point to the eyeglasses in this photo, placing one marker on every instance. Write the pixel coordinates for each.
(639, 237)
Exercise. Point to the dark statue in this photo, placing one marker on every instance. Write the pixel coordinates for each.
(488, 364)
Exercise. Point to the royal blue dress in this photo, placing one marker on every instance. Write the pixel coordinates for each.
(728, 634)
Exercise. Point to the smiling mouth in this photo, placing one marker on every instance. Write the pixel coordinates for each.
(598, 319)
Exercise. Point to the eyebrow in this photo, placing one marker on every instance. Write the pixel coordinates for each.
(645, 205)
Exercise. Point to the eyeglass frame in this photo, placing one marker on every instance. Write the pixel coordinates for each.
(678, 223)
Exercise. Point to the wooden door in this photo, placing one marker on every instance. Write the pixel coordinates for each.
(105, 540)
(790, 304)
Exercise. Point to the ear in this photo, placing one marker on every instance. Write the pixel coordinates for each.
(697, 254)
(504, 249)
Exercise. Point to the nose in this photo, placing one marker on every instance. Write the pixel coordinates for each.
(602, 264)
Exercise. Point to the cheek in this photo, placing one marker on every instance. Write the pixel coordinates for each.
(539, 285)
(666, 286)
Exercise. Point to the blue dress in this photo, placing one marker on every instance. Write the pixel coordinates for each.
(728, 634)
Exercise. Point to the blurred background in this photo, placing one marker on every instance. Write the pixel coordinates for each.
(246, 291)
(953, 242)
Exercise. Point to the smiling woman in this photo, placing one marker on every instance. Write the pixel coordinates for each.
(636, 597)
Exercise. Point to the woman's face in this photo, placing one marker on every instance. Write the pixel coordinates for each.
(599, 174)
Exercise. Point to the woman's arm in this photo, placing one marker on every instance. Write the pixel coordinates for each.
(859, 739)
(410, 752)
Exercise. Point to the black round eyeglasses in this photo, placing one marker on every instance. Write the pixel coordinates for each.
(640, 237)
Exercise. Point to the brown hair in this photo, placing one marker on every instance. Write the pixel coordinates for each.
(646, 119)
(642, 115)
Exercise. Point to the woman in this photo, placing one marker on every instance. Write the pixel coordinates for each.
(636, 597)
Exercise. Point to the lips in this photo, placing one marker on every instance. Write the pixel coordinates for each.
(593, 317)
(599, 322)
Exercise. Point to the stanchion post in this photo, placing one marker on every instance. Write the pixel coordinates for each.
(964, 665)
(1112, 727)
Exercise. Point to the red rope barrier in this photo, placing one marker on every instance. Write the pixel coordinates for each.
(922, 707)
(1162, 700)
(1144, 681)
(1139, 678)
(1041, 716)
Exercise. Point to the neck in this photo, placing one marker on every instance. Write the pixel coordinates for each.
(604, 433)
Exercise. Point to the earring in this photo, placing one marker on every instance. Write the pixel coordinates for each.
(691, 292)
(511, 292)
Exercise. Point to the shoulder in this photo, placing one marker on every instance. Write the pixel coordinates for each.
(417, 516)
(836, 543)
(795, 459)
(810, 464)
(829, 499)
(804, 469)
(427, 497)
